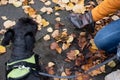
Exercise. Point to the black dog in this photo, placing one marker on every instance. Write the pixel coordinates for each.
(23, 62)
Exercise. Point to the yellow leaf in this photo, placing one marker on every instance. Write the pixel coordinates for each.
(65, 46)
(81, 2)
(44, 23)
(2, 49)
(70, 39)
(55, 1)
(112, 64)
(93, 44)
(58, 8)
(69, 6)
(76, 52)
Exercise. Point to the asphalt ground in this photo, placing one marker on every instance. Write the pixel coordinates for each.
(41, 46)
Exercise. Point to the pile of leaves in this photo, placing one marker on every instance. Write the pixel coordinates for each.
(86, 55)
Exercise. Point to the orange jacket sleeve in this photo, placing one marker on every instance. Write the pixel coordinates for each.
(105, 8)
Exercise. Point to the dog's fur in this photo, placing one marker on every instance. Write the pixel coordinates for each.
(22, 37)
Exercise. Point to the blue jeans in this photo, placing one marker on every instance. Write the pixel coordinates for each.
(108, 37)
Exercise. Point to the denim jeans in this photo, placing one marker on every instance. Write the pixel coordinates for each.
(108, 37)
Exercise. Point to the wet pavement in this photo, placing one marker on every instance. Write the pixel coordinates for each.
(41, 46)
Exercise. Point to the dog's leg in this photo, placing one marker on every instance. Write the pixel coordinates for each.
(7, 37)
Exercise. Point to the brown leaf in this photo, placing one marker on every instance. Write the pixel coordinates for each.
(82, 42)
(82, 76)
(79, 60)
(72, 54)
(54, 45)
(58, 25)
(68, 71)
(50, 70)
(59, 50)
(55, 33)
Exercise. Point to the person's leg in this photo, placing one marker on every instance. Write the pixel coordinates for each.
(108, 37)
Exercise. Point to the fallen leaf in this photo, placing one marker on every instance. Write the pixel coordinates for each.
(55, 1)
(79, 60)
(98, 71)
(2, 31)
(17, 3)
(70, 39)
(43, 9)
(11, 1)
(58, 25)
(8, 24)
(56, 79)
(39, 27)
(43, 0)
(82, 33)
(48, 3)
(74, 1)
(62, 37)
(114, 17)
(65, 1)
(4, 2)
(58, 19)
(54, 45)
(2, 49)
(69, 6)
(58, 49)
(65, 46)
(50, 70)
(72, 54)
(93, 44)
(4, 17)
(57, 8)
(49, 10)
(51, 64)
(30, 11)
(50, 29)
(78, 8)
(55, 33)
(44, 22)
(46, 37)
(38, 19)
(82, 42)
(112, 64)
(82, 76)
(68, 71)
(31, 2)
(57, 14)
(63, 74)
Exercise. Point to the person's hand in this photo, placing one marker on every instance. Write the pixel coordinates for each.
(82, 20)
